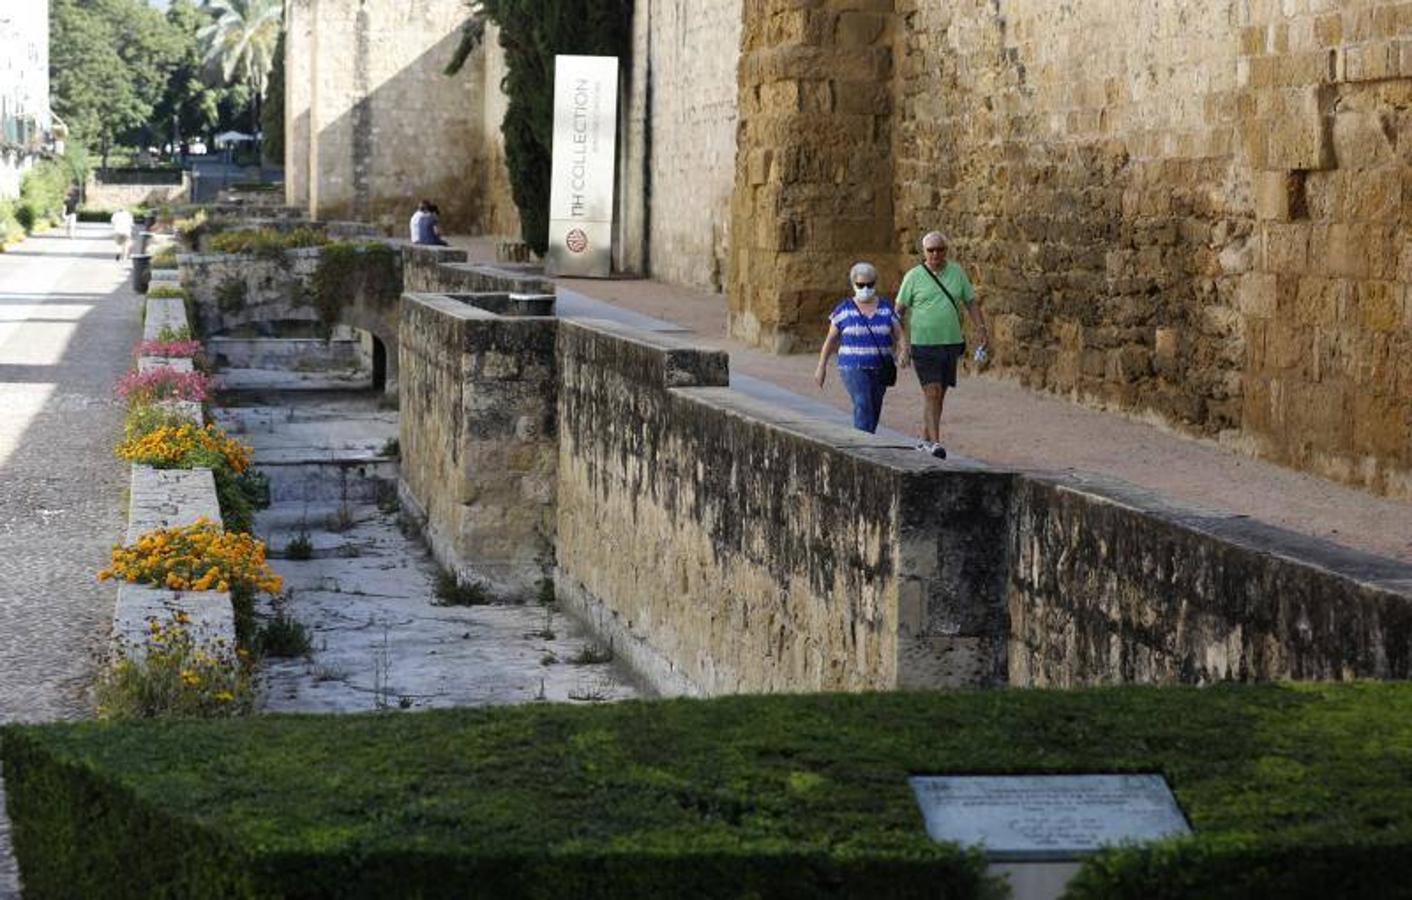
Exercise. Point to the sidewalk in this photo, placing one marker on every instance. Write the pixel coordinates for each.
(995, 421)
(68, 322)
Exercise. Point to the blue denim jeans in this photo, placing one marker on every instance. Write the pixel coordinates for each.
(866, 388)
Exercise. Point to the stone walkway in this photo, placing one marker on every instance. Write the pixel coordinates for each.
(997, 421)
(67, 326)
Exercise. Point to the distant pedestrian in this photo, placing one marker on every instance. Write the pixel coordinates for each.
(930, 301)
(122, 232)
(414, 226)
(431, 227)
(864, 329)
(71, 211)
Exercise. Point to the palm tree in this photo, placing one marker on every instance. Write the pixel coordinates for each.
(241, 42)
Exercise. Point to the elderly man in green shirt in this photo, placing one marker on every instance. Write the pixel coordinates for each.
(930, 301)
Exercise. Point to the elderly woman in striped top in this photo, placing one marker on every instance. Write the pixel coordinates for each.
(864, 329)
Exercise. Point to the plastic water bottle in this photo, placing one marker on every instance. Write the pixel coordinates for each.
(981, 356)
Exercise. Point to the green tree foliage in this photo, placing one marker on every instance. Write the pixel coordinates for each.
(189, 98)
(532, 32)
(272, 116)
(109, 65)
(241, 41)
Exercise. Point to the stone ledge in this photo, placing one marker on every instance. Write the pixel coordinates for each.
(168, 498)
(211, 614)
(163, 312)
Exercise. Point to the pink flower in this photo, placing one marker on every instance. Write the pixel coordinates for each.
(163, 383)
(168, 348)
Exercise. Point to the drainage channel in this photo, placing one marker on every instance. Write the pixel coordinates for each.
(363, 590)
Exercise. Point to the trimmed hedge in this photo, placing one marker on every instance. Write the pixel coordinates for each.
(1294, 792)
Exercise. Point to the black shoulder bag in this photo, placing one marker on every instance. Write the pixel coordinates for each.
(888, 371)
(960, 322)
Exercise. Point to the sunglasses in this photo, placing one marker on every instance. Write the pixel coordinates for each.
(936, 249)
(863, 284)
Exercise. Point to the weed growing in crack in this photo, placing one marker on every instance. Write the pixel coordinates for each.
(392, 449)
(549, 659)
(451, 592)
(382, 666)
(342, 519)
(300, 546)
(592, 692)
(547, 632)
(592, 655)
(546, 591)
(282, 637)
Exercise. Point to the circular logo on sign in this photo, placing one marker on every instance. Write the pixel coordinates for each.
(576, 241)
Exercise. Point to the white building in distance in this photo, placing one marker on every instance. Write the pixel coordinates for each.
(25, 119)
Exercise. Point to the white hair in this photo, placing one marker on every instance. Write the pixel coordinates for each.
(937, 235)
(864, 270)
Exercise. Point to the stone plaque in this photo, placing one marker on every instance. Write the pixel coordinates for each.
(1047, 817)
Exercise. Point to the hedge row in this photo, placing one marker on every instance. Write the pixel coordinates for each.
(1293, 792)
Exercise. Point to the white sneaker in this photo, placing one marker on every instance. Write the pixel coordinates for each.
(924, 446)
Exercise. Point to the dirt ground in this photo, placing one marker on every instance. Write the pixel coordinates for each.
(994, 420)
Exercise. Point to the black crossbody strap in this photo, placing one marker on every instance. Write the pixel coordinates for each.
(954, 304)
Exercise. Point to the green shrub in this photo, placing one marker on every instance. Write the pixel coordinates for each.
(163, 291)
(165, 259)
(532, 32)
(1293, 792)
(42, 191)
(347, 269)
(10, 228)
(269, 243)
(96, 216)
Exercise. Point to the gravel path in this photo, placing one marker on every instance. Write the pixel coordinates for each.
(68, 322)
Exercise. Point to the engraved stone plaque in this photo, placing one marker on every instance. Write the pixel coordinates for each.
(1047, 817)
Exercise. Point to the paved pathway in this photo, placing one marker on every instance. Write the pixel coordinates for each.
(67, 326)
(997, 421)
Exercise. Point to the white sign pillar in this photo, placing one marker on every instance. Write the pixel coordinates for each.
(585, 152)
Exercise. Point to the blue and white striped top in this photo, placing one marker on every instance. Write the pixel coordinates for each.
(857, 350)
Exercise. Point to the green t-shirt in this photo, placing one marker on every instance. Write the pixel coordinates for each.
(932, 318)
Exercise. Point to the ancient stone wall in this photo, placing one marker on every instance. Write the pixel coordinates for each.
(686, 56)
(385, 126)
(298, 99)
(478, 441)
(98, 194)
(725, 544)
(814, 164)
(1109, 586)
(1194, 210)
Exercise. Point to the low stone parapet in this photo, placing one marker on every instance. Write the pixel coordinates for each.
(167, 498)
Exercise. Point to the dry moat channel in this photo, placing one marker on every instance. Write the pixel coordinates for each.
(372, 602)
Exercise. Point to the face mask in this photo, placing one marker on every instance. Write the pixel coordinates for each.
(864, 293)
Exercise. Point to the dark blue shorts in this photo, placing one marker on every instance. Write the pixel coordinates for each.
(936, 363)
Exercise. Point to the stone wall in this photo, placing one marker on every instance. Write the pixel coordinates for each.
(683, 103)
(814, 163)
(385, 127)
(1192, 210)
(1108, 585)
(479, 441)
(99, 194)
(725, 545)
(251, 295)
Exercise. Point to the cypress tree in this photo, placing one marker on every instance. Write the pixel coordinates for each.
(532, 32)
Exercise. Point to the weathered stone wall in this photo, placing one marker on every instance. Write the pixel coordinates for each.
(685, 56)
(99, 194)
(299, 42)
(722, 543)
(478, 441)
(385, 126)
(814, 164)
(1109, 586)
(1196, 210)
(729, 545)
(249, 295)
